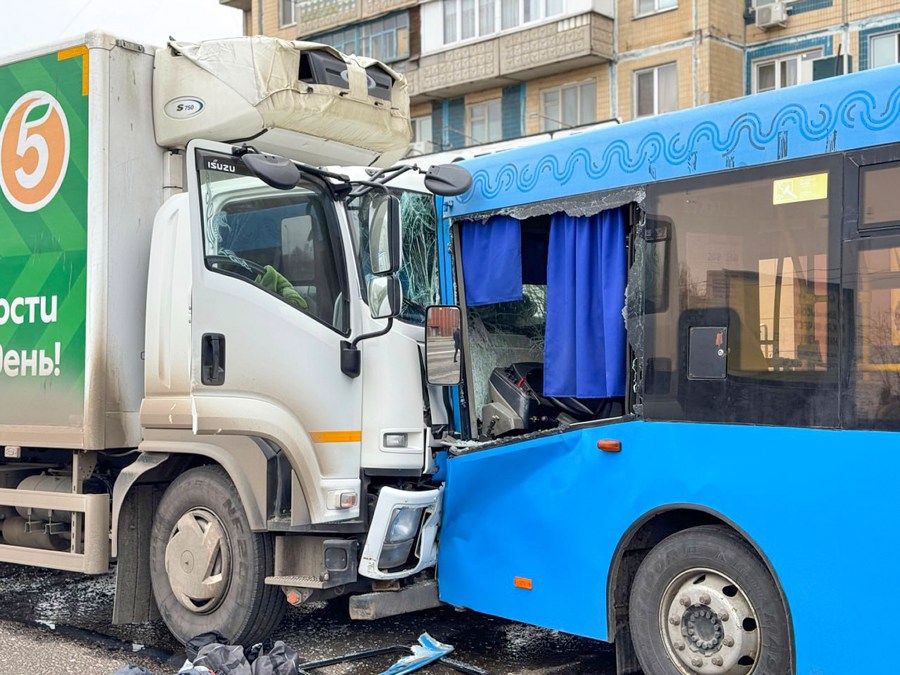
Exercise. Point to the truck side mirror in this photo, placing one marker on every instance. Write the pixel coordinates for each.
(443, 345)
(385, 297)
(278, 172)
(448, 180)
(384, 234)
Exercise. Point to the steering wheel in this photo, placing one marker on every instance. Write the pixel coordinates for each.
(244, 267)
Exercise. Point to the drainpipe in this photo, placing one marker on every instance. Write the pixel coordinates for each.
(695, 52)
(259, 21)
(614, 66)
(845, 17)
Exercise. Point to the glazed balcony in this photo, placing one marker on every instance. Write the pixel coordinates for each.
(531, 52)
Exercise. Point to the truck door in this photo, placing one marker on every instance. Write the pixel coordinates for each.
(270, 307)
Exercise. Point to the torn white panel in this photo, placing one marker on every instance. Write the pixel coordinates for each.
(249, 88)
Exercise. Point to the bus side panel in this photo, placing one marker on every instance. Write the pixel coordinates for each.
(548, 513)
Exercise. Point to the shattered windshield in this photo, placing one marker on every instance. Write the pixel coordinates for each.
(419, 272)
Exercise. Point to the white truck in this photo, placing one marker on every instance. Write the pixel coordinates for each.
(201, 377)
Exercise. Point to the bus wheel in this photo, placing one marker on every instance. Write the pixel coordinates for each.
(703, 602)
(207, 567)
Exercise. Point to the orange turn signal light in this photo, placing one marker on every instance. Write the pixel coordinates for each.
(609, 445)
(522, 582)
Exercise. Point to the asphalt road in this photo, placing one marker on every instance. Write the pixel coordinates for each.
(441, 365)
(59, 619)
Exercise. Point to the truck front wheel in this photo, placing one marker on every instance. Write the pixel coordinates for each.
(207, 567)
(703, 602)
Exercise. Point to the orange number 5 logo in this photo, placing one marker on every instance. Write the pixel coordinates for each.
(34, 151)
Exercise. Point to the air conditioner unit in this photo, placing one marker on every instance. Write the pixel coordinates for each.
(773, 14)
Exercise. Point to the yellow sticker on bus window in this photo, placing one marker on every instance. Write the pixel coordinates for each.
(800, 189)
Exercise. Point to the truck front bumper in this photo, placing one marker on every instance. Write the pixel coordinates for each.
(390, 502)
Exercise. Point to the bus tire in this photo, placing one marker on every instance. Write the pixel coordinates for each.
(207, 568)
(703, 601)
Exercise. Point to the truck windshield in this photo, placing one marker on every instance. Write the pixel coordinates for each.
(419, 272)
(284, 242)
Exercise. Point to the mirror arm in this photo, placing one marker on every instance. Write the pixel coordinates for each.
(367, 185)
(350, 357)
(379, 333)
(241, 150)
(381, 178)
(396, 170)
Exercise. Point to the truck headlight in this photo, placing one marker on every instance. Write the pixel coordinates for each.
(401, 536)
(404, 524)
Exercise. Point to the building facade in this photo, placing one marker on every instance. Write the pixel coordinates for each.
(487, 70)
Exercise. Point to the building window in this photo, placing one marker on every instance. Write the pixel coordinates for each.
(467, 19)
(288, 13)
(422, 135)
(569, 106)
(485, 122)
(781, 71)
(656, 90)
(884, 50)
(644, 7)
(386, 39)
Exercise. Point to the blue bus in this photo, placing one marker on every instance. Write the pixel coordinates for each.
(680, 384)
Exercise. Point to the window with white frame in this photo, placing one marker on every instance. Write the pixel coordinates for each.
(467, 19)
(485, 122)
(288, 12)
(780, 71)
(422, 135)
(884, 50)
(569, 106)
(644, 7)
(656, 90)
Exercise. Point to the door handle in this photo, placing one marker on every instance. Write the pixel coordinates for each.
(212, 359)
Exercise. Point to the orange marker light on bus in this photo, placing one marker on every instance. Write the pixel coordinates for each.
(522, 582)
(609, 445)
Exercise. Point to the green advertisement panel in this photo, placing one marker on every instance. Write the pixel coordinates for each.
(43, 239)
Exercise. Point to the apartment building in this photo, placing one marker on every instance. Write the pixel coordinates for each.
(487, 70)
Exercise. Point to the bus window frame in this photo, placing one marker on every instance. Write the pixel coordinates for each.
(857, 240)
(833, 164)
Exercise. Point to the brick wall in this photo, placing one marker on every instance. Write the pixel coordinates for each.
(725, 73)
(655, 29)
(534, 88)
(681, 56)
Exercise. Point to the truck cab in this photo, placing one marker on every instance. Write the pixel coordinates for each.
(251, 421)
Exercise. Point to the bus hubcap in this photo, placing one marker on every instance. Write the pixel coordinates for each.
(708, 625)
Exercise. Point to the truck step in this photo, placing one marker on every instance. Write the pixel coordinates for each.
(371, 606)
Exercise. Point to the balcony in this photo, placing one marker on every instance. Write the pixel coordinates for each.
(244, 5)
(547, 49)
(319, 16)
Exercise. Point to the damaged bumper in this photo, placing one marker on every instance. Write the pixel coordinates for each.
(404, 522)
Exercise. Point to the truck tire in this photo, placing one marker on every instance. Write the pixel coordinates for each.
(207, 567)
(703, 602)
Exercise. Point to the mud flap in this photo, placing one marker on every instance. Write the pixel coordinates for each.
(134, 601)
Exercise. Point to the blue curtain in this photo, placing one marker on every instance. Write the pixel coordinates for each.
(584, 346)
(492, 260)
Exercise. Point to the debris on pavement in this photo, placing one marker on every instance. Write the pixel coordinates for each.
(209, 653)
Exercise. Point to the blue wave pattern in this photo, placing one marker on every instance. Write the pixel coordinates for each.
(657, 149)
